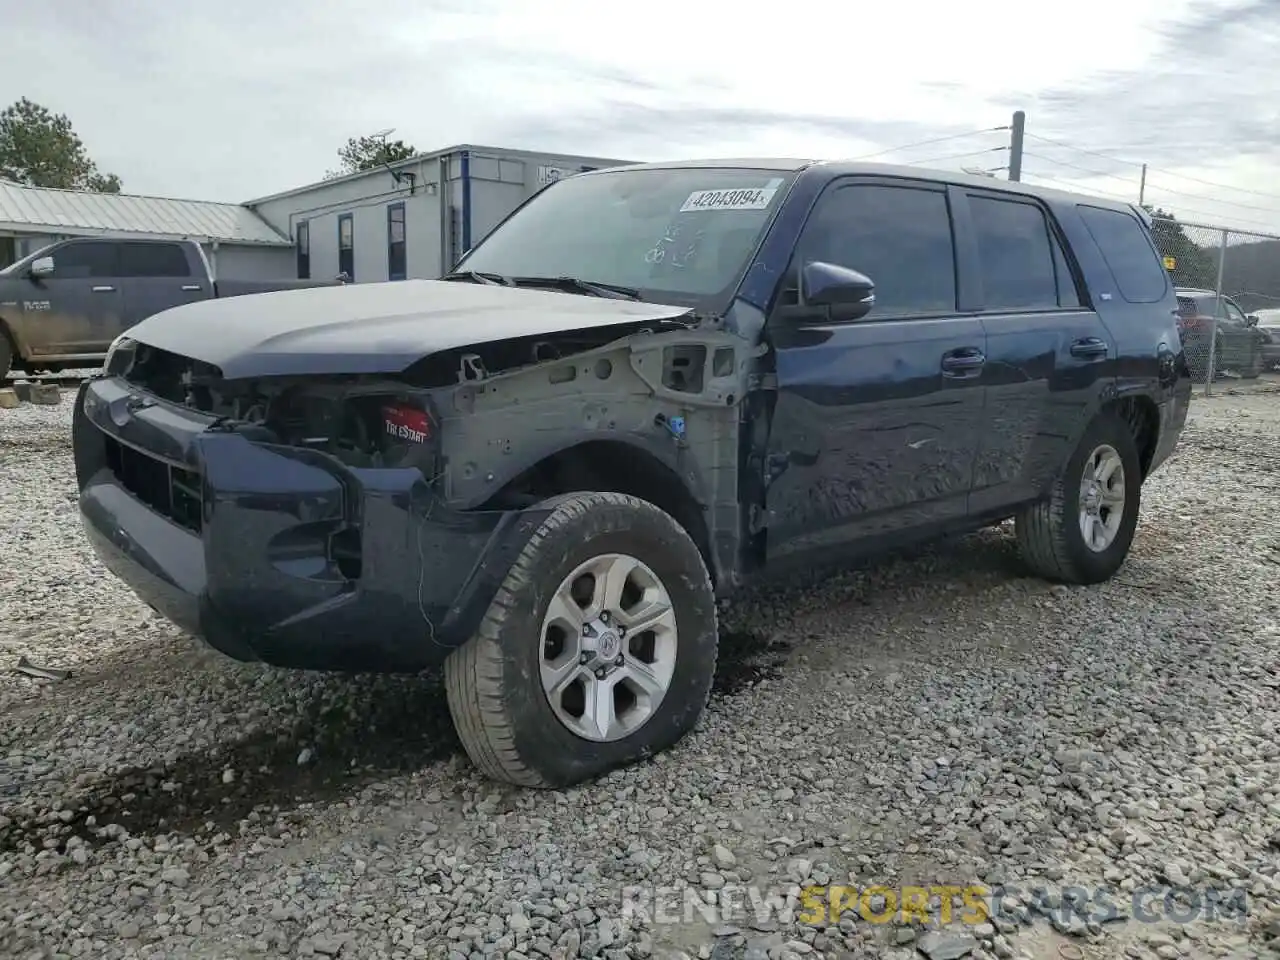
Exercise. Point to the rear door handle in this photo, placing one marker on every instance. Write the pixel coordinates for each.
(1089, 348)
(192, 287)
(963, 362)
(103, 289)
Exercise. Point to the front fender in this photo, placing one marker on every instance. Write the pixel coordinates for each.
(664, 447)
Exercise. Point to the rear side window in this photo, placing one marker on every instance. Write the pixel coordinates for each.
(1016, 255)
(1138, 271)
(153, 260)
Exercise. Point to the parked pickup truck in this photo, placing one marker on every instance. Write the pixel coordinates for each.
(64, 304)
(648, 386)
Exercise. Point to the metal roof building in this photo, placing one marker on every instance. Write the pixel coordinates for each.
(243, 244)
(410, 219)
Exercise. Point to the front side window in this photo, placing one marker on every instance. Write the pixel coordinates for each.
(1233, 312)
(688, 233)
(899, 237)
(84, 260)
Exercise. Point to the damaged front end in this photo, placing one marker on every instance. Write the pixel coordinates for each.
(364, 522)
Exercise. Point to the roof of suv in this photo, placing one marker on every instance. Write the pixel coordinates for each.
(836, 168)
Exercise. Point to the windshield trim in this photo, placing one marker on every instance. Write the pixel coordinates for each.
(716, 302)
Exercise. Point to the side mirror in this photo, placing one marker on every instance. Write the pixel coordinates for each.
(845, 294)
(1251, 320)
(40, 267)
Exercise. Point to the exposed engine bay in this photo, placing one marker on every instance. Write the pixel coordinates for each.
(498, 425)
(360, 421)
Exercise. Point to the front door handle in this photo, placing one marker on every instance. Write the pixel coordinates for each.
(104, 289)
(963, 362)
(1089, 348)
(191, 287)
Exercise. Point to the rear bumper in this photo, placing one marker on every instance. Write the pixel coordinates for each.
(279, 555)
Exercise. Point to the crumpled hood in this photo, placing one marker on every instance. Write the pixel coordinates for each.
(374, 327)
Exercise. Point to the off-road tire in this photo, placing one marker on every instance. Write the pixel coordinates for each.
(6, 354)
(492, 682)
(1048, 532)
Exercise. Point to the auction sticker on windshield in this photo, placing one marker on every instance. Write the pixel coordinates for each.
(737, 198)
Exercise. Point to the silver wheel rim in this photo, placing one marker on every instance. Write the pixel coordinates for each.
(608, 647)
(1101, 498)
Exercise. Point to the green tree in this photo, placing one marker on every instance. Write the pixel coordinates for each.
(366, 153)
(39, 148)
(1194, 266)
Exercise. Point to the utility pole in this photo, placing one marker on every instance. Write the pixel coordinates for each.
(1142, 186)
(1015, 145)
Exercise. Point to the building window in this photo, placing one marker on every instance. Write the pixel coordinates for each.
(304, 250)
(346, 247)
(396, 263)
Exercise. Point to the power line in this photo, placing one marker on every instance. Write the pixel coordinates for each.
(926, 143)
(1076, 166)
(1201, 196)
(1076, 188)
(1170, 173)
(1092, 153)
(1153, 186)
(956, 156)
(1223, 186)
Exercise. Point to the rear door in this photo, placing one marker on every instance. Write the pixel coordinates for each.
(157, 276)
(77, 310)
(877, 421)
(1046, 348)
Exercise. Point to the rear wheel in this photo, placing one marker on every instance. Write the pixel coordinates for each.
(598, 649)
(1082, 532)
(6, 355)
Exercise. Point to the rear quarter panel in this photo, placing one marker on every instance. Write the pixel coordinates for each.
(1148, 359)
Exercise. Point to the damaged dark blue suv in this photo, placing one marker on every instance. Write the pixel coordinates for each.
(649, 385)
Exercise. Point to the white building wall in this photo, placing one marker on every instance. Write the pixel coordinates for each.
(366, 198)
(245, 262)
(499, 181)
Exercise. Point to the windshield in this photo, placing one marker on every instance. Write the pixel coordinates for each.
(684, 233)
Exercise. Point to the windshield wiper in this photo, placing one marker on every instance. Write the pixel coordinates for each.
(493, 279)
(574, 284)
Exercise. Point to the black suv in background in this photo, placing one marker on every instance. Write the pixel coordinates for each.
(649, 385)
(1238, 345)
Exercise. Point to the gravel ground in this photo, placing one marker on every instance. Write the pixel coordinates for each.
(937, 718)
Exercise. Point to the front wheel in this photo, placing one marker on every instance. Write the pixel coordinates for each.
(1082, 532)
(598, 649)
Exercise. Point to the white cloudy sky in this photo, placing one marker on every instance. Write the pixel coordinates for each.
(239, 98)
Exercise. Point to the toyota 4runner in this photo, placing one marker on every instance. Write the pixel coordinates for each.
(648, 386)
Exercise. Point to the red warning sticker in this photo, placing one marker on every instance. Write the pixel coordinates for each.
(406, 423)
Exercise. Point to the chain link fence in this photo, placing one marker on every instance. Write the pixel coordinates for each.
(1228, 286)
